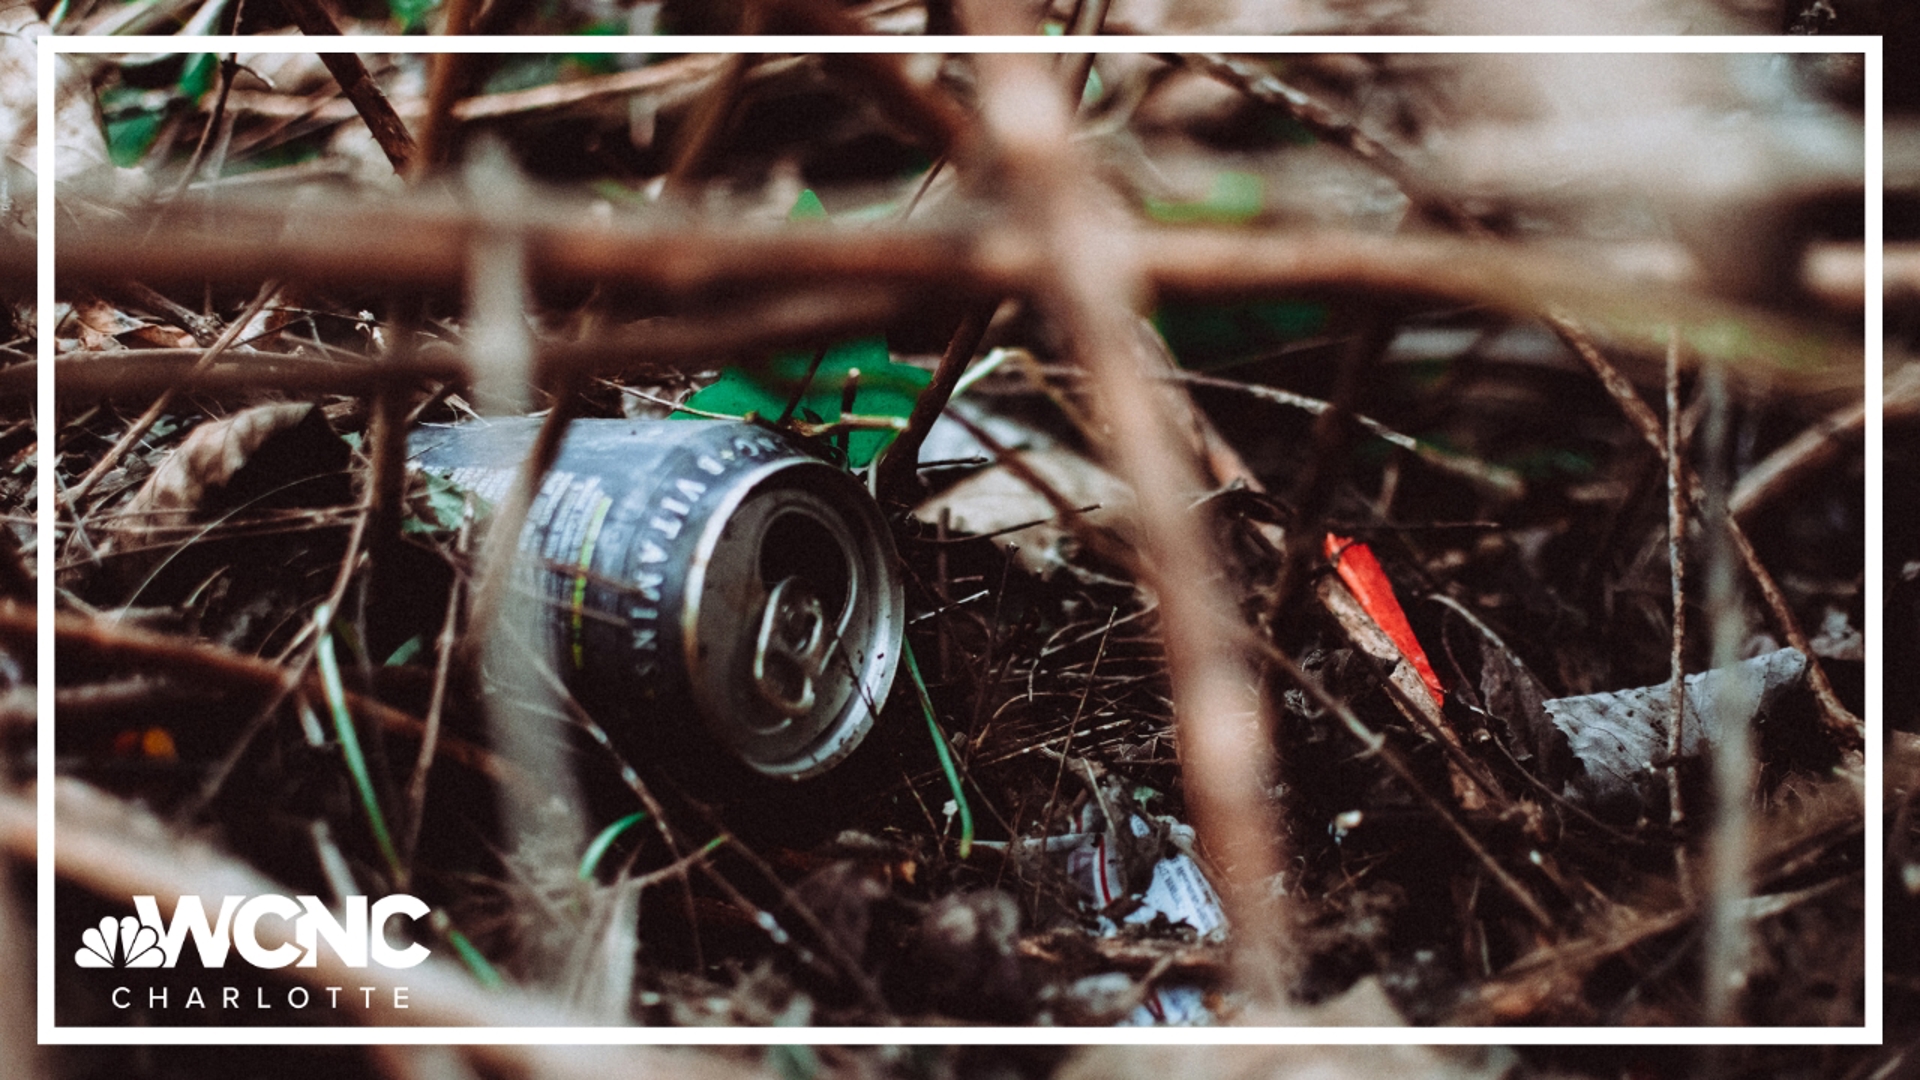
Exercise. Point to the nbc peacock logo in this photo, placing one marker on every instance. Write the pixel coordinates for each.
(125, 942)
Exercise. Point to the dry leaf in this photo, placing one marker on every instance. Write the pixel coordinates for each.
(199, 472)
(80, 137)
(19, 27)
(997, 499)
(1620, 738)
(101, 325)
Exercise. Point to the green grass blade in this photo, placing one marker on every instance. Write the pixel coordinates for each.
(590, 862)
(945, 753)
(350, 743)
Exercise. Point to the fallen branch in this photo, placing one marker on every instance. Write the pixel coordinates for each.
(1089, 280)
(236, 672)
(423, 245)
(695, 342)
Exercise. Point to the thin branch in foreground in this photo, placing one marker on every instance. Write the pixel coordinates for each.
(422, 244)
(1729, 940)
(1224, 728)
(690, 343)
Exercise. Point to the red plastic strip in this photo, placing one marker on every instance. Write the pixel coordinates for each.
(1368, 583)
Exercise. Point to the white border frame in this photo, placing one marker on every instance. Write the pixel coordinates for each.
(48, 950)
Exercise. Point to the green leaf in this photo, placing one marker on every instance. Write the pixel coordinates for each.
(1283, 129)
(336, 695)
(1094, 90)
(197, 77)
(129, 137)
(442, 509)
(942, 752)
(794, 1061)
(885, 388)
(410, 13)
(1234, 199)
(807, 207)
(598, 63)
(1206, 336)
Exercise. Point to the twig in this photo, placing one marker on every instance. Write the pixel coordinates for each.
(205, 329)
(830, 942)
(918, 110)
(296, 672)
(1088, 17)
(1473, 785)
(713, 111)
(1260, 83)
(500, 17)
(1517, 993)
(672, 78)
(1257, 82)
(225, 668)
(1079, 709)
(688, 343)
(898, 477)
(227, 69)
(670, 835)
(450, 78)
(800, 387)
(1378, 746)
(347, 70)
(1676, 564)
(424, 246)
(1804, 455)
(1097, 538)
(1316, 482)
(1728, 942)
(19, 1056)
(500, 549)
(430, 737)
(1844, 727)
(1497, 481)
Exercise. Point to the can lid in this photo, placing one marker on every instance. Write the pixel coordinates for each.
(793, 618)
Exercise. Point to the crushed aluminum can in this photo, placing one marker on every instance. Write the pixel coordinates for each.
(701, 574)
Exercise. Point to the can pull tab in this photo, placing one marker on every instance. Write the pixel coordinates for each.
(791, 650)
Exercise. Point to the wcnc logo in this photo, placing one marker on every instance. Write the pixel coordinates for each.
(149, 941)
